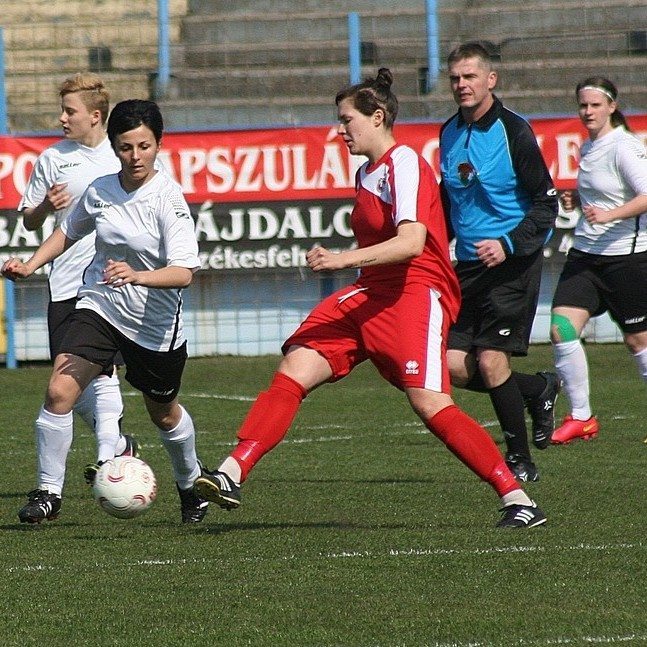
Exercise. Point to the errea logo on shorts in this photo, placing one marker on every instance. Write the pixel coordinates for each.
(412, 367)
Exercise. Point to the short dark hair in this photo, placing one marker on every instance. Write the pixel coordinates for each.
(132, 113)
(373, 94)
(473, 49)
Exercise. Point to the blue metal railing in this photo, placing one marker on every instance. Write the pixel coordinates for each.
(9, 290)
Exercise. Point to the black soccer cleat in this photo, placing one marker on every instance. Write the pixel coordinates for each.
(521, 516)
(91, 469)
(90, 472)
(523, 468)
(542, 410)
(218, 488)
(193, 506)
(132, 447)
(41, 506)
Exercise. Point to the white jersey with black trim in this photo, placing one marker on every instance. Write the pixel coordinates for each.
(613, 170)
(71, 163)
(149, 228)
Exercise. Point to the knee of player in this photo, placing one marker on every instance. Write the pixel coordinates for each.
(562, 329)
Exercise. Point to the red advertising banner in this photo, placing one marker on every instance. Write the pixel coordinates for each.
(287, 164)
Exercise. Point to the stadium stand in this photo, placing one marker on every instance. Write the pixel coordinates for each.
(259, 62)
(277, 62)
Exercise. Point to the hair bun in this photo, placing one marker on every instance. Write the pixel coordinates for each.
(384, 77)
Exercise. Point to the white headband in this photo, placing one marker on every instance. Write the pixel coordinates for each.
(598, 89)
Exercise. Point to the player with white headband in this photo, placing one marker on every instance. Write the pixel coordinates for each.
(606, 269)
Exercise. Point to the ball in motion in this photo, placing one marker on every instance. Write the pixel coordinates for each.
(125, 487)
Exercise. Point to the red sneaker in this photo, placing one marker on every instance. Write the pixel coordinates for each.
(572, 429)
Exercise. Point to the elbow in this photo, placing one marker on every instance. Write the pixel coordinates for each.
(186, 279)
(416, 250)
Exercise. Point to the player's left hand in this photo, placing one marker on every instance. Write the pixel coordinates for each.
(320, 259)
(118, 273)
(595, 215)
(490, 252)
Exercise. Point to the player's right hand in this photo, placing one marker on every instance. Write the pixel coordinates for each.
(58, 197)
(569, 199)
(14, 269)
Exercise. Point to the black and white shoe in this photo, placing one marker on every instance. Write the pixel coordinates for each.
(523, 468)
(41, 506)
(90, 472)
(218, 488)
(542, 410)
(91, 469)
(193, 506)
(521, 516)
(132, 446)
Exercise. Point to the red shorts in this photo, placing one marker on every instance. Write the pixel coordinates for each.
(404, 334)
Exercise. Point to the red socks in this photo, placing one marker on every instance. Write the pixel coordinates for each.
(470, 443)
(267, 421)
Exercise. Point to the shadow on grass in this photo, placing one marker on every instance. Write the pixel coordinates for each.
(213, 528)
(39, 527)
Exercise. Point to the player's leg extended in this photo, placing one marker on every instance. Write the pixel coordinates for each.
(266, 424)
(474, 447)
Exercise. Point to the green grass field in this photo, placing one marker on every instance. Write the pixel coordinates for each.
(359, 530)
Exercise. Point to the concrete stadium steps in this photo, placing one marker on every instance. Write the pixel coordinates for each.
(319, 109)
(51, 60)
(242, 7)
(301, 26)
(496, 21)
(293, 82)
(323, 52)
(626, 72)
(280, 62)
(77, 37)
(48, 40)
(99, 11)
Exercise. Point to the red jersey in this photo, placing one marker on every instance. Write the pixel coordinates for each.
(401, 186)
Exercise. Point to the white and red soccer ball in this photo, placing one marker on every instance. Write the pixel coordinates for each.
(125, 487)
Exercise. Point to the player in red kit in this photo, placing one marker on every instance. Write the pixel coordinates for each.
(397, 313)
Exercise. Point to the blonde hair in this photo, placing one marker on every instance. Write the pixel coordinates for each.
(91, 90)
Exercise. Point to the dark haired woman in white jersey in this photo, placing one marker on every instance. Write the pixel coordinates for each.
(130, 301)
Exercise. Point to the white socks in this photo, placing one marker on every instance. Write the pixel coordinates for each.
(573, 369)
(101, 407)
(516, 497)
(641, 360)
(108, 409)
(180, 445)
(231, 468)
(53, 440)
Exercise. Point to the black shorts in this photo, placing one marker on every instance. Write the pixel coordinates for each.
(613, 284)
(156, 374)
(58, 321)
(498, 305)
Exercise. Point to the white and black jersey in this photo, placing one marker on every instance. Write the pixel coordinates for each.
(71, 163)
(149, 228)
(613, 170)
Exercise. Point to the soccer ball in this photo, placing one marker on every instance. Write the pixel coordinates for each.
(125, 487)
